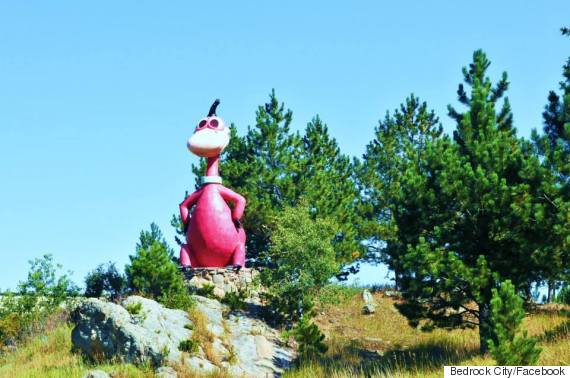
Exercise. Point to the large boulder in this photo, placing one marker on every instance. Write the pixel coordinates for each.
(149, 333)
(141, 330)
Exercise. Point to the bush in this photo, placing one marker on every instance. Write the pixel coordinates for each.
(10, 327)
(153, 273)
(309, 337)
(511, 348)
(300, 261)
(105, 281)
(190, 346)
(207, 290)
(177, 298)
(134, 308)
(235, 301)
(26, 311)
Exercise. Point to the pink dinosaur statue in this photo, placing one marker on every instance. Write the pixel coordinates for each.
(214, 235)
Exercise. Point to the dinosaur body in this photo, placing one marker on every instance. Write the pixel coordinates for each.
(214, 236)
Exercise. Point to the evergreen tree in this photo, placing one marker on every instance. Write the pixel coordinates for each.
(327, 184)
(512, 347)
(152, 272)
(478, 198)
(400, 143)
(309, 338)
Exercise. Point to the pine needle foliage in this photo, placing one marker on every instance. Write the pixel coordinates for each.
(512, 347)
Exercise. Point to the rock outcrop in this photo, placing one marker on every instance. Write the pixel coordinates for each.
(369, 304)
(141, 330)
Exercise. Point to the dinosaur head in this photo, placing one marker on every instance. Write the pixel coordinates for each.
(211, 135)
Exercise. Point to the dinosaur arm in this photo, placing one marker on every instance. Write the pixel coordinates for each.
(187, 204)
(238, 200)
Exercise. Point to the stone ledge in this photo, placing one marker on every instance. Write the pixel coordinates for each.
(224, 280)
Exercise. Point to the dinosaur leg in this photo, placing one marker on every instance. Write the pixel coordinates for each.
(187, 258)
(238, 257)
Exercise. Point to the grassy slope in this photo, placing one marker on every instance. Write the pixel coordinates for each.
(383, 344)
(359, 345)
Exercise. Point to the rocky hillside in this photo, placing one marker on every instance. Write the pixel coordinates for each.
(206, 340)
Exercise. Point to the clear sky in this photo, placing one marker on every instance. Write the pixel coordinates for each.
(97, 99)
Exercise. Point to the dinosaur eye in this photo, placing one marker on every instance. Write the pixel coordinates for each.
(202, 123)
(214, 122)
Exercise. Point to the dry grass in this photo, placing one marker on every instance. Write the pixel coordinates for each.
(384, 345)
(51, 356)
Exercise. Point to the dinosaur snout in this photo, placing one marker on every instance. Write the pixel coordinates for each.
(208, 142)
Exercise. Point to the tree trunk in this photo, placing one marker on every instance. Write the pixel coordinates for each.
(397, 274)
(485, 327)
(549, 292)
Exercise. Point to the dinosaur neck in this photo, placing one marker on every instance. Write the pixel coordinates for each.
(212, 167)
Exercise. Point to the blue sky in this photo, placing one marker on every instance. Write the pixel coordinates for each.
(97, 99)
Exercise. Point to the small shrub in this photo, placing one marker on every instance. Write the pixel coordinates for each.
(10, 328)
(134, 308)
(190, 346)
(512, 347)
(207, 290)
(178, 299)
(235, 300)
(232, 355)
(189, 326)
(309, 337)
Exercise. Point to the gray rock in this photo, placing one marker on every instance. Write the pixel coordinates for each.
(218, 279)
(258, 355)
(264, 348)
(367, 296)
(105, 329)
(368, 309)
(201, 365)
(166, 372)
(243, 344)
(96, 374)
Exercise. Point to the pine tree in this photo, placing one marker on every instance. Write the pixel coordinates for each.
(309, 337)
(327, 184)
(152, 272)
(477, 198)
(400, 143)
(511, 347)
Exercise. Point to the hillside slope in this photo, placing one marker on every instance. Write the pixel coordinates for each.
(381, 344)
